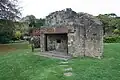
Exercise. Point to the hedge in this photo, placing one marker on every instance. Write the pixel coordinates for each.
(112, 39)
(4, 40)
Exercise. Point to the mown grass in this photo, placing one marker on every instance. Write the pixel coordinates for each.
(23, 65)
(107, 68)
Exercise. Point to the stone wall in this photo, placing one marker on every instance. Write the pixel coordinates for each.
(64, 17)
(85, 33)
(68, 17)
(42, 42)
(94, 40)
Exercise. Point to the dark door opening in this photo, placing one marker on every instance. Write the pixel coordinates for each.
(56, 42)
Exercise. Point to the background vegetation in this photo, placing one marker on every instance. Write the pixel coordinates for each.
(11, 23)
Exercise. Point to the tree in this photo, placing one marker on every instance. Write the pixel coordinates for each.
(9, 9)
(6, 30)
(116, 31)
(112, 15)
(30, 19)
(105, 21)
(9, 12)
(33, 22)
(40, 22)
(110, 22)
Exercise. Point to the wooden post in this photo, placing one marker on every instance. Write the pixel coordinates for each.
(32, 47)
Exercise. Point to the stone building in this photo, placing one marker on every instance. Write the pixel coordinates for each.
(71, 33)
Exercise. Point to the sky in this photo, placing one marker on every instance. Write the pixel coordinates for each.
(42, 8)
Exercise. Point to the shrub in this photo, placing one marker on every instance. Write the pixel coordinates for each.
(18, 35)
(116, 31)
(112, 39)
(4, 39)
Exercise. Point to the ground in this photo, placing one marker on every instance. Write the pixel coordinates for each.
(5, 48)
(21, 64)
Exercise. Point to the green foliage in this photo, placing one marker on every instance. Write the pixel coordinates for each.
(21, 26)
(110, 22)
(6, 30)
(9, 12)
(4, 39)
(112, 39)
(40, 22)
(6, 26)
(105, 21)
(33, 22)
(30, 19)
(116, 31)
(9, 9)
(18, 35)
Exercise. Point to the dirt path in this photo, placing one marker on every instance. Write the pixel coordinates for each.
(6, 48)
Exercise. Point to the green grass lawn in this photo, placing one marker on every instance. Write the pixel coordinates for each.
(23, 65)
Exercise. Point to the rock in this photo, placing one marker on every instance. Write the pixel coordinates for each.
(68, 74)
(64, 65)
(63, 62)
(68, 69)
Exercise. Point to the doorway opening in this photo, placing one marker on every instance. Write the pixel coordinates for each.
(57, 42)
